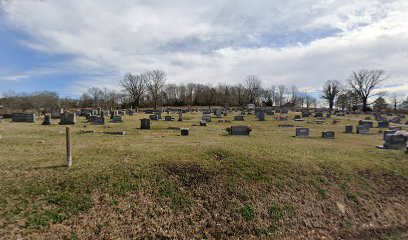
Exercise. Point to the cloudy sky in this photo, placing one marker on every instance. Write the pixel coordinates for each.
(68, 46)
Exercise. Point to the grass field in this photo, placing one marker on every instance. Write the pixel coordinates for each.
(157, 184)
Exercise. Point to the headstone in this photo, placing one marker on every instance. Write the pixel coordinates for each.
(47, 120)
(218, 113)
(154, 117)
(328, 134)
(180, 116)
(144, 123)
(349, 129)
(302, 132)
(305, 114)
(206, 118)
(395, 141)
(203, 123)
(383, 124)
(396, 120)
(335, 121)
(368, 123)
(260, 115)
(318, 114)
(388, 132)
(363, 129)
(99, 120)
(167, 118)
(117, 119)
(24, 117)
(239, 118)
(184, 131)
(239, 130)
(67, 118)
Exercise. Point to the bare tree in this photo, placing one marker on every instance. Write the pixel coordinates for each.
(272, 92)
(135, 86)
(155, 80)
(330, 91)
(253, 87)
(280, 96)
(395, 100)
(364, 82)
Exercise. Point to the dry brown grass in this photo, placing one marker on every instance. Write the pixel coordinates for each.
(158, 184)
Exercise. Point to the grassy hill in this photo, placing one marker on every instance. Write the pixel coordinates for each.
(208, 185)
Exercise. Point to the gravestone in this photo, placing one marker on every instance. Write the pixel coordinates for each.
(67, 118)
(328, 115)
(395, 141)
(270, 113)
(180, 116)
(328, 134)
(318, 114)
(167, 118)
(302, 132)
(395, 128)
(99, 120)
(388, 132)
(335, 121)
(154, 117)
(47, 120)
(239, 130)
(24, 117)
(117, 119)
(203, 123)
(99, 109)
(206, 118)
(363, 129)
(368, 123)
(396, 120)
(284, 111)
(383, 124)
(56, 112)
(349, 129)
(298, 118)
(305, 114)
(218, 113)
(184, 131)
(144, 123)
(239, 118)
(260, 115)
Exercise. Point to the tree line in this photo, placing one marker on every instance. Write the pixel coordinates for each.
(150, 89)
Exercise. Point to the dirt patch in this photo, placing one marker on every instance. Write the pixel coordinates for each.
(190, 174)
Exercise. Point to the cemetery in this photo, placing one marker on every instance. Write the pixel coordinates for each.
(259, 157)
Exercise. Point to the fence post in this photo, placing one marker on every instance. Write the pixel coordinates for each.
(69, 154)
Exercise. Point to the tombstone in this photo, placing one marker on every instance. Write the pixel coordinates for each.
(383, 124)
(67, 118)
(368, 123)
(260, 115)
(144, 123)
(148, 111)
(95, 112)
(388, 132)
(270, 113)
(225, 113)
(395, 141)
(319, 121)
(298, 118)
(284, 111)
(56, 112)
(218, 113)
(154, 117)
(328, 135)
(239, 118)
(183, 111)
(363, 129)
(318, 114)
(206, 118)
(368, 118)
(349, 129)
(167, 118)
(99, 120)
(117, 119)
(335, 121)
(99, 111)
(302, 132)
(239, 130)
(395, 128)
(180, 116)
(305, 114)
(47, 120)
(203, 123)
(24, 117)
(328, 115)
(184, 131)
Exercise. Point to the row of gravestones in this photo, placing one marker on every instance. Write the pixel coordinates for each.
(393, 139)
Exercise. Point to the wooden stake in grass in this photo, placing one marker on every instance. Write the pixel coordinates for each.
(69, 154)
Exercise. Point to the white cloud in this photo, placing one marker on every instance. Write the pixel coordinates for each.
(219, 41)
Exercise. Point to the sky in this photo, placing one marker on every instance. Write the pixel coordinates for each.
(68, 46)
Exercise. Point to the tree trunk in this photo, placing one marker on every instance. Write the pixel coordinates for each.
(364, 104)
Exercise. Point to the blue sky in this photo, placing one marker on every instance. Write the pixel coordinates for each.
(68, 46)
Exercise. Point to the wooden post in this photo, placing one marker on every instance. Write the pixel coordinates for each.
(69, 155)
